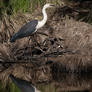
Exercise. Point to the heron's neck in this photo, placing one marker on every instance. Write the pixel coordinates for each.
(44, 16)
(43, 21)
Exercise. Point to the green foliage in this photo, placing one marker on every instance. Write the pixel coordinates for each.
(13, 6)
(19, 5)
(10, 7)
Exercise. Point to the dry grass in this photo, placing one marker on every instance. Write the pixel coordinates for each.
(77, 40)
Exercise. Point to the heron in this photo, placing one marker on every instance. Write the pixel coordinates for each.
(31, 27)
(23, 85)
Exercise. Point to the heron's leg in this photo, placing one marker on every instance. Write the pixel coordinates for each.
(30, 37)
(43, 33)
(29, 40)
(27, 45)
(36, 41)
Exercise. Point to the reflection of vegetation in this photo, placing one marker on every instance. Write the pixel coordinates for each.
(11, 87)
(47, 88)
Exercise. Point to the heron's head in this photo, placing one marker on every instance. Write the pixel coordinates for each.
(48, 5)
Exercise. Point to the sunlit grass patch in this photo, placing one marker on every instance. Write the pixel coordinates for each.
(11, 7)
(20, 5)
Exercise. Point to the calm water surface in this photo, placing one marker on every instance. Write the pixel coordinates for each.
(66, 82)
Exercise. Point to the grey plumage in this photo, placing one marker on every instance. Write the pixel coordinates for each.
(22, 84)
(27, 30)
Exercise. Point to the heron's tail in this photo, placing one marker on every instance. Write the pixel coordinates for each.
(15, 80)
(12, 77)
(13, 38)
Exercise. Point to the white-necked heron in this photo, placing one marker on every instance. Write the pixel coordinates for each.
(32, 26)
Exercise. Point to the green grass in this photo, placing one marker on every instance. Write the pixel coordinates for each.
(19, 5)
(15, 6)
(10, 7)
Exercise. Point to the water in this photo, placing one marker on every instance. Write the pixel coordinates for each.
(66, 82)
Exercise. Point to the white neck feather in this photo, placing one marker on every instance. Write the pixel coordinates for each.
(42, 22)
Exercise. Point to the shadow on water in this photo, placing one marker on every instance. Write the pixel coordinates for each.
(74, 82)
(66, 82)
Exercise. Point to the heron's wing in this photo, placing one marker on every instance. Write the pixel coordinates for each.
(29, 27)
(26, 30)
(23, 85)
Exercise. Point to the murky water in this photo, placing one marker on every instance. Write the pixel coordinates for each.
(74, 82)
(71, 82)
(66, 82)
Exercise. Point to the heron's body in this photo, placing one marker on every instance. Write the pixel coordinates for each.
(27, 30)
(32, 26)
(23, 85)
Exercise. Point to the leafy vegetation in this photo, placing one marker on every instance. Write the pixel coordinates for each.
(13, 6)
